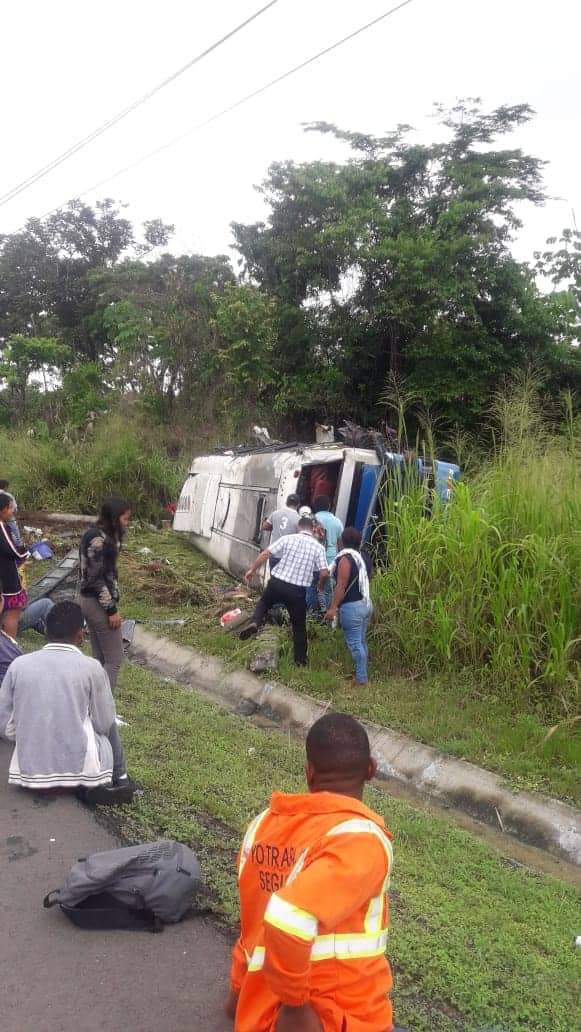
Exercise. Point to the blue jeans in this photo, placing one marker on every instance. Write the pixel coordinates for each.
(34, 616)
(317, 599)
(354, 619)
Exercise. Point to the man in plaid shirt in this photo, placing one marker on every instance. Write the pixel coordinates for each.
(300, 557)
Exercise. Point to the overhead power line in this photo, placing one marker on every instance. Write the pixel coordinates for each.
(44, 171)
(238, 103)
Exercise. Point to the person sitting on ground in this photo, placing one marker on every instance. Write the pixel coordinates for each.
(33, 618)
(9, 649)
(57, 707)
(300, 556)
(352, 571)
(98, 553)
(11, 557)
(313, 876)
(13, 523)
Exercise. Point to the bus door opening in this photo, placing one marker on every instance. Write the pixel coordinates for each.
(319, 479)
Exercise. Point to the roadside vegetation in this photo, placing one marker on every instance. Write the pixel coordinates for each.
(476, 942)
(126, 456)
(457, 711)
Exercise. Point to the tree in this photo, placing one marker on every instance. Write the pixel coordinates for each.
(45, 269)
(21, 357)
(399, 259)
(156, 321)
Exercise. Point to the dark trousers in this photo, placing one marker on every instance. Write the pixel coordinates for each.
(279, 593)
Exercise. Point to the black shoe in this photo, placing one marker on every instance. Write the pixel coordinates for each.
(128, 782)
(248, 632)
(108, 795)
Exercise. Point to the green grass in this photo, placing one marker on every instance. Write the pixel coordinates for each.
(491, 581)
(123, 457)
(452, 712)
(475, 944)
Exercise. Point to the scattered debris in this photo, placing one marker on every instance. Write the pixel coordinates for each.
(228, 617)
(265, 652)
(145, 551)
(42, 551)
(166, 585)
(178, 622)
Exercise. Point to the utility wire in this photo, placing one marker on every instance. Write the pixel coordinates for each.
(41, 172)
(238, 103)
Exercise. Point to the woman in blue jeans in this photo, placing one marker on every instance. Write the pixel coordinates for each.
(351, 600)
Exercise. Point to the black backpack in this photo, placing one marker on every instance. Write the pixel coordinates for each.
(138, 887)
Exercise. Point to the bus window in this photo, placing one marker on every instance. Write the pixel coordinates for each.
(260, 510)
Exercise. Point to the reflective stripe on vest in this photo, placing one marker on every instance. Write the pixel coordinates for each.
(333, 947)
(374, 919)
(291, 919)
(248, 840)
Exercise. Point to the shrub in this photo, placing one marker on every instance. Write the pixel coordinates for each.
(492, 581)
(123, 457)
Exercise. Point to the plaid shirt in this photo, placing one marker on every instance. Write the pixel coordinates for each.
(301, 557)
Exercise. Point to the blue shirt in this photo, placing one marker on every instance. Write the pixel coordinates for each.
(333, 528)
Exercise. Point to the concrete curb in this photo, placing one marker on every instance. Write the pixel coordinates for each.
(537, 820)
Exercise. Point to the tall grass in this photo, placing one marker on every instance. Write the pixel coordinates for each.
(492, 581)
(125, 457)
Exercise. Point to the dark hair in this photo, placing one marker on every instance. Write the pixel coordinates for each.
(322, 503)
(4, 485)
(5, 500)
(111, 511)
(64, 622)
(293, 501)
(306, 523)
(351, 538)
(338, 744)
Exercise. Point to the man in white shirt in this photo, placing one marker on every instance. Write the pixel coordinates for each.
(300, 557)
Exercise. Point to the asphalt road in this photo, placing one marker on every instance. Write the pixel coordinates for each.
(57, 978)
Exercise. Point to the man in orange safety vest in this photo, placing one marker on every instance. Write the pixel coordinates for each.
(314, 875)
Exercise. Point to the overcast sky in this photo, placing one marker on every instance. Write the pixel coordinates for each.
(68, 66)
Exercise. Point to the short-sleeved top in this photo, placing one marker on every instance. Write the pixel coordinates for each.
(283, 521)
(301, 557)
(333, 529)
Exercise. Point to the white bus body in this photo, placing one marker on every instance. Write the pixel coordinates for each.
(226, 497)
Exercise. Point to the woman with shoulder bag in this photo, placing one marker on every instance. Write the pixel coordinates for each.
(351, 601)
(99, 552)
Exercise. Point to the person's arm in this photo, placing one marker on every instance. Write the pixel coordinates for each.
(343, 571)
(7, 727)
(266, 525)
(277, 549)
(9, 549)
(101, 701)
(346, 871)
(258, 562)
(322, 568)
(238, 970)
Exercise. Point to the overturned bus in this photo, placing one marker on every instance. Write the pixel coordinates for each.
(228, 495)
